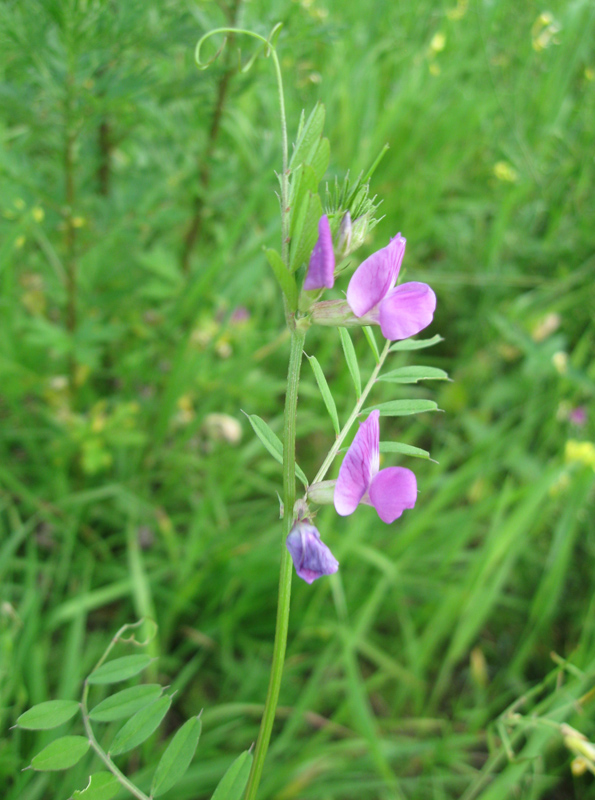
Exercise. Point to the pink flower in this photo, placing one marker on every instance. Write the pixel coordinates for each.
(389, 490)
(321, 269)
(310, 556)
(401, 311)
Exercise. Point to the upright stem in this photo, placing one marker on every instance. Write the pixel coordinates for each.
(266, 725)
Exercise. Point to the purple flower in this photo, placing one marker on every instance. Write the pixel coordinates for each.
(311, 557)
(321, 270)
(389, 490)
(578, 416)
(401, 311)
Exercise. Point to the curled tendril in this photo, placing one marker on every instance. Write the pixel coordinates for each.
(268, 45)
(151, 633)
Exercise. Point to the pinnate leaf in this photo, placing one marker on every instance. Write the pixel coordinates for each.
(140, 726)
(62, 753)
(177, 757)
(125, 703)
(48, 715)
(119, 669)
(101, 786)
(232, 784)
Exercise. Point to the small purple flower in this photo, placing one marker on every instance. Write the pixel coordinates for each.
(311, 557)
(402, 311)
(578, 416)
(321, 270)
(389, 490)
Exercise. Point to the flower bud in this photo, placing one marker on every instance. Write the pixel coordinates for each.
(311, 557)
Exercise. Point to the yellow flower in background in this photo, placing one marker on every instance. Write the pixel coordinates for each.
(505, 172)
(544, 31)
(438, 42)
(185, 413)
(577, 452)
(434, 68)
(19, 203)
(78, 222)
(38, 214)
(560, 362)
(590, 73)
(459, 11)
(19, 242)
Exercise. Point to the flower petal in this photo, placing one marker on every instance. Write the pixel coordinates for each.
(375, 277)
(359, 466)
(321, 269)
(406, 310)
(392, 491)
(311, 557)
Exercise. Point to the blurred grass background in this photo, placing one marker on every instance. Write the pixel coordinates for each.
(137, 194)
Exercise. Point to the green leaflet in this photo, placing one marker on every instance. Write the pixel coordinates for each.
(125, 703)
(414, 374)
(405, 449)
(307, 143)
(101, 786)
(140, 726)
(402, 408)
(351, 359)
(415, 344)
(119, 669)
(272, 443)
(233, 783)
(177, 757)
(48, 715)
(369, 334)
(325, 392)
(284, 278)
(61, 754)
(306, 234)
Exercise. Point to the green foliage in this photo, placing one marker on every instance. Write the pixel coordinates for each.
(272, 443)
(101, 786)
(177, 757)
(120, 493)
(119, 669)
(233, 783)
(62, 753)
(50, 714)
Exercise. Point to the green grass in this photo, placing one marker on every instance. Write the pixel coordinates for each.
(116, 500)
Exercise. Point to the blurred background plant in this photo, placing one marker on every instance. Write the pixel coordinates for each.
(138, 317)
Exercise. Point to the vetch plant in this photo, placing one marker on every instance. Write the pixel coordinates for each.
(317, 240)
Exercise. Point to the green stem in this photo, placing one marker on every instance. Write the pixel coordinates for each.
(358, 407)
(134, 790)
(266, 725)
